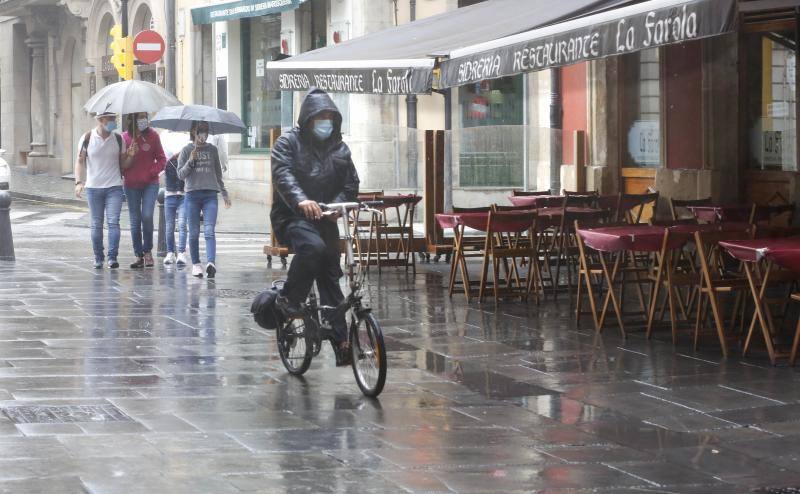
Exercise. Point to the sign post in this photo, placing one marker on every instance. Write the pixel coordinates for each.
(148, 47)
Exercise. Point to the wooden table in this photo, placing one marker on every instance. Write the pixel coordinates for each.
(784, 252)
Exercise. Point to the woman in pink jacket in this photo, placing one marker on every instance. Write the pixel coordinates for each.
(141, 185)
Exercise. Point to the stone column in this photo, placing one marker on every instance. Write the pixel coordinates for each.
(38, 47)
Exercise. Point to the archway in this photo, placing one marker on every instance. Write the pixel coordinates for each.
(104, 40)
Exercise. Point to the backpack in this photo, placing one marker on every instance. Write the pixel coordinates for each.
(263, 309)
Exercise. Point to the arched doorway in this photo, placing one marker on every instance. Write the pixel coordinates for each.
(107, 73)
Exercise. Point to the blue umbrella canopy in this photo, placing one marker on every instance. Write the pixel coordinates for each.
(180, 119)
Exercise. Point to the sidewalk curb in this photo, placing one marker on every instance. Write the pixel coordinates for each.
(48, 199)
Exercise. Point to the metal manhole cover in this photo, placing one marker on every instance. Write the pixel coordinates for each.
(231, 293)
(65, 414)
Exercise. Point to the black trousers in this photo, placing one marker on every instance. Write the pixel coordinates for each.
(316, 258)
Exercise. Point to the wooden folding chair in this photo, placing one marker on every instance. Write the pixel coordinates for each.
(677, 207)
(522, 193)
(505, 243)
(717, 278)
(631, 207)
(590, 271)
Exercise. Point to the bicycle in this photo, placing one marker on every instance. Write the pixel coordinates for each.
(300, 339)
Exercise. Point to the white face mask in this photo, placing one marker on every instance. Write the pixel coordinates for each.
(142, 124)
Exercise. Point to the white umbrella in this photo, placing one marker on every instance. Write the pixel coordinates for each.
(130, 97)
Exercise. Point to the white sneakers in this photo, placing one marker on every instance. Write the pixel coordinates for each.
(180, 259)
(197, 270)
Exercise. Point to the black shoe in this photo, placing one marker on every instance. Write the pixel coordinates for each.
(289, 310)
(343, 354)
(211, 270)
(113, 264)
(139, 264)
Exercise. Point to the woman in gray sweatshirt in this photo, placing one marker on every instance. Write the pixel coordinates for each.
(200, 168)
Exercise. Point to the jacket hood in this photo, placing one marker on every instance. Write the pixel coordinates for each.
(316, 102)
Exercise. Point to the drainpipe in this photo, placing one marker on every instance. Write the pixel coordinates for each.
(448, 157)
(170, 58)
(124, 17)
(556, 126)
(411, 119)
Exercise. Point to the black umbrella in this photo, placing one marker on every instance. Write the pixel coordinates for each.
(180, 119)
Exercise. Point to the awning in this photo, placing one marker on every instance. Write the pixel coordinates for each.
(400, 60)
(614, 32)
(240, 9)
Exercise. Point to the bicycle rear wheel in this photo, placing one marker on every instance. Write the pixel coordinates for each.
(368, 354)
(294, 347)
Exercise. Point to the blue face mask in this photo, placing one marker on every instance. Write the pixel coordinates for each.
(111, 126)
(323, 129)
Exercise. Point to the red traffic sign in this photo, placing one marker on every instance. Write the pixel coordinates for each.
(148, 47)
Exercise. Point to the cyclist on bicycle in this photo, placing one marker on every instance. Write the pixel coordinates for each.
(311, 165)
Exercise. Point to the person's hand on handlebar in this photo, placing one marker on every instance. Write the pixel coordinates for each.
(310, 209)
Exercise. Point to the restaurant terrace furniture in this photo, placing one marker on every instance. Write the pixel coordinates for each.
(717, 278)
(362, 225)
(724, 213)
(524, 193)
(675, 269)
(464, 247)
(614, 243)
(538, 201)
(565, 246)
(504, 243)
(767, 215)
(783, 252)
(676, 205)
(631, 207)
(493, 252)
(391, 237)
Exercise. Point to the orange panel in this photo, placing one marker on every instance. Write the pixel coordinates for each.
(573, 91)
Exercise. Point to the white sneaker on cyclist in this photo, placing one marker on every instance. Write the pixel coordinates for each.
(170, 259)
(197, 270)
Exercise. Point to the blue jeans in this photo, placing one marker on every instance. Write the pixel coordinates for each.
(174, 208)
(141, 206)
(105, 205)
(207, 202)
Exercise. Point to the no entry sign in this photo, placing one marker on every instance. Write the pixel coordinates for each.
(148, 47)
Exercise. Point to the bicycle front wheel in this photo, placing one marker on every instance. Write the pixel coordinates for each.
(294, 346)
(368, 354)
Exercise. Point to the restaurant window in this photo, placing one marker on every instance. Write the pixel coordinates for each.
(640, 109)
(771, 119)
(262, 109)
(491, 140)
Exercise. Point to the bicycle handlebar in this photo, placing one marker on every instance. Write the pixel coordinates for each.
(338, 207)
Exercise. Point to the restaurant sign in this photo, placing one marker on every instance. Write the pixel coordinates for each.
(241, 9)
(375, 80)
(624, 30)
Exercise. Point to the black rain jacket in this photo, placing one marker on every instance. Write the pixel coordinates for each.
(305, 168)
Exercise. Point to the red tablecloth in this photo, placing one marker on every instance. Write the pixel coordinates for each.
(510, 221)
(636, 238)
(713, 214)
(783, 251)
(537, 201)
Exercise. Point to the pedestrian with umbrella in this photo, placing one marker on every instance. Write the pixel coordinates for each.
(141, 184)
(200, 168)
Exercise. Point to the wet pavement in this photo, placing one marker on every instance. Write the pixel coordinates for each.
(153, 381)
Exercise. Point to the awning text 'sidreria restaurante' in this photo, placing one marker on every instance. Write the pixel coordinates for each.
(497, 38)
(615, 32)
(401, 60)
